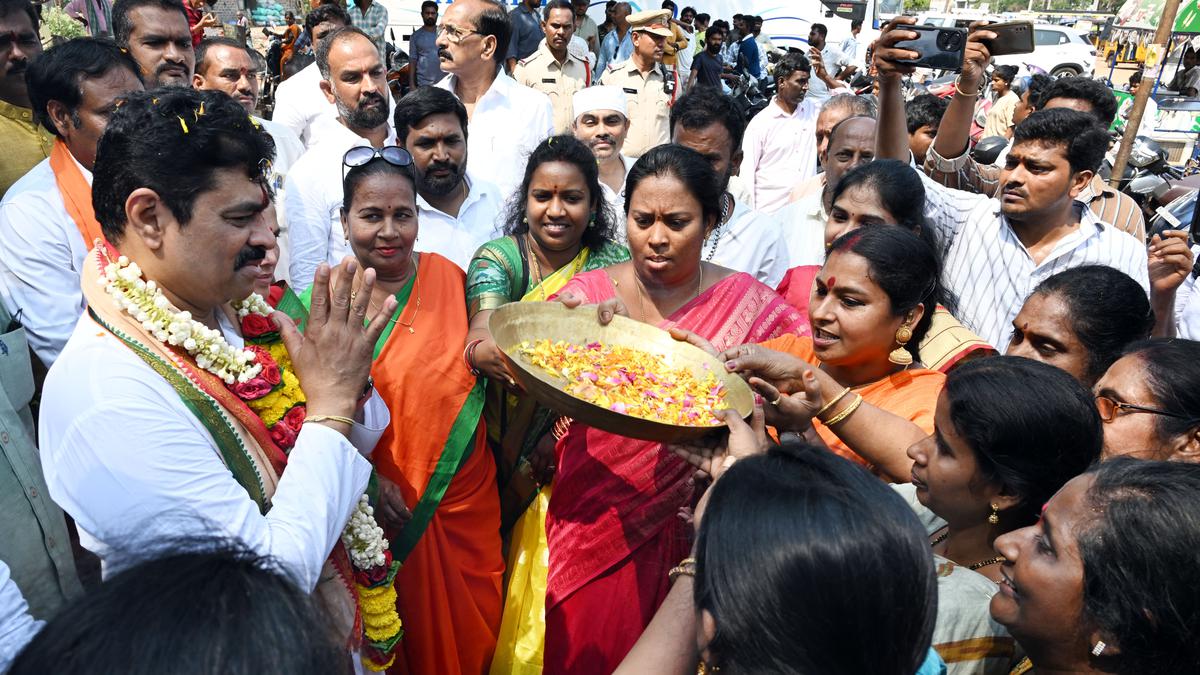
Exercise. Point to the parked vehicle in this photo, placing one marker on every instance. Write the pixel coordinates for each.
(1058, 51)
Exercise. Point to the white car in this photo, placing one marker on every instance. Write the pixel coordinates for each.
(1057, 50)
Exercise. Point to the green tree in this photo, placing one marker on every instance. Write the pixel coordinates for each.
(912, 6)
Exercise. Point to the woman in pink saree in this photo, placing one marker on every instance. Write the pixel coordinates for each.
(613, 528)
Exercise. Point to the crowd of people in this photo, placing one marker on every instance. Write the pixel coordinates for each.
(248, 378)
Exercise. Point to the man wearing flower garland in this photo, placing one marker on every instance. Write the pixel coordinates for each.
(159, 419)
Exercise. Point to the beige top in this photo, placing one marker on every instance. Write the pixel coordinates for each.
(558, 80)
(650, 97)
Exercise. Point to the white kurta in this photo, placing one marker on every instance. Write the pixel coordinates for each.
(288, 149)
(132, 465)
(301, 106)
(17, 626)
(313, 202)
(616, 201)
(456, 239)
(41, 255)
(803, 225)
(779, 150)
(508, 122)
(753, 242)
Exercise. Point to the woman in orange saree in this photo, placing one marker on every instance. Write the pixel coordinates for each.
(613, 526)
(433, 458)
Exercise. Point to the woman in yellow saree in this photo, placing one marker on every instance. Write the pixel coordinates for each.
(556, 229)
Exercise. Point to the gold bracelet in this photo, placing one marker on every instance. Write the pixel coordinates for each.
(687, 566)
(329, 418)
(832, 403)
(958, 89)
(846, 412)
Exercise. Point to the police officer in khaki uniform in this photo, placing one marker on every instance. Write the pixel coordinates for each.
(649, 86)
(553, 69)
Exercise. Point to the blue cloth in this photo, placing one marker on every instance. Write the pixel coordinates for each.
(613, 52)
(932, 665)
(422, 48)
(527, 32)
(748, 56)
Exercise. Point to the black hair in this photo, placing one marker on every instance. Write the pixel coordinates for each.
(1085, 140)
(131, 153)
(427, 4)
(703, 18)
(1029, 445)
(122, 25)
(855, 25)
(820, 29)
(1036, 87)
(669, 4)
(210, 42)
(1141, 564)
(1109, 311)
(904, 266)
(331, 12)
(799, 522)
(789, 64)
(1096, 93)
(494, 21)
(703, 106)
(687, 9)
(898, 187)
(1173, 376)
(859, 106)
(422, 102)
(552, 5)
(58, 74)
(8, 7)
(377, 166)
(335, 36)
(1006, 73)
(568, 150)
(924, 110)
(688, 167)
(189, 612)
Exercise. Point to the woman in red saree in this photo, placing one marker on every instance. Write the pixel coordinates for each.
(613, 526)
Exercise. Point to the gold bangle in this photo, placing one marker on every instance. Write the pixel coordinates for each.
(832, 403)
(329, 418)
(846, 412)
(687, 566)
(958, 89)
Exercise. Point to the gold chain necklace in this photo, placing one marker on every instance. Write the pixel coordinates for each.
(535, 267)
(642, 291)
(973, 566)
(416, 310)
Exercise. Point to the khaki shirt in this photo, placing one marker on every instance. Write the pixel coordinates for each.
(25, 143)
(650, 97)
(541, 71)
(673, 45)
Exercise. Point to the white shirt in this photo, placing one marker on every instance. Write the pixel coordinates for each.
(834, 61)
(616, 200)
(991, 272)
(508, 122)
(803, 225)
(17, 626)
(288, 149)
(457, 239)
(313, 204)
(779, 150)
(130, 463)
(41, 255)
(1187, 306)
(301, 106)
(751, 242)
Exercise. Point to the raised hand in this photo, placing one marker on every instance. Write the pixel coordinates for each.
(715, 454)
(976, 57)
(333, 356)
(1170, 262)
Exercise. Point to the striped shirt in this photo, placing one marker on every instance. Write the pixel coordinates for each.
(964, 173)
(992, 273)
(373, 22)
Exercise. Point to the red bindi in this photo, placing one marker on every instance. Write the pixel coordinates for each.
(831, 283)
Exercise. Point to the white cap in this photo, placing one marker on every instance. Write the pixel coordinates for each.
(591, 99)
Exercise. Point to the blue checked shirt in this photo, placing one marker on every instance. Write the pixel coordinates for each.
(373, 22)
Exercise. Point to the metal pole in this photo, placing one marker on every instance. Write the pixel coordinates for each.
(1162, 36)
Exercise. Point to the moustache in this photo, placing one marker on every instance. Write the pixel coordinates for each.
(444, 53)
(603, 138)
(248, 255)
(369, 99)
(440, 166)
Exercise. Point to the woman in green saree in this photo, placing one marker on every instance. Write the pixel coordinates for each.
(557, 226)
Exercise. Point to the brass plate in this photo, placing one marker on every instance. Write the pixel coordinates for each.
(519, 322)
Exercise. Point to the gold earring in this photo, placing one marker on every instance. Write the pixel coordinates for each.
(900, 355)
(995, 517)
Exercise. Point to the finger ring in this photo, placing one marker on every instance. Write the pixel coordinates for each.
(777, 400)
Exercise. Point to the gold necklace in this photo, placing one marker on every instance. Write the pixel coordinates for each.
(642, 291)
(534, 266)
(973, 566)
(417, 309)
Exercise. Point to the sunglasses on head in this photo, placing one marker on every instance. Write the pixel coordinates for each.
(363, 155)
